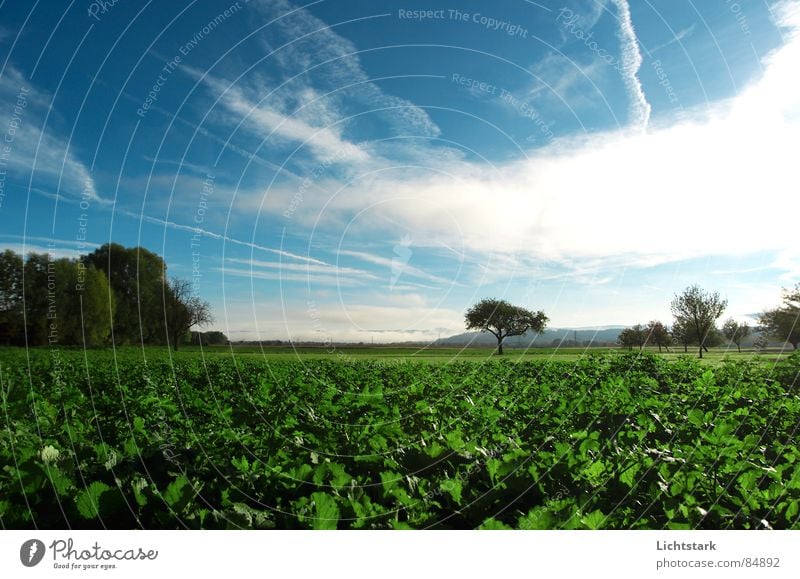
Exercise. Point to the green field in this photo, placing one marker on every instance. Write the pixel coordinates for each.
(107, 439)
(446, 355)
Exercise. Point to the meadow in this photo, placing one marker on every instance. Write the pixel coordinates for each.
(396, 438)
(713, 357)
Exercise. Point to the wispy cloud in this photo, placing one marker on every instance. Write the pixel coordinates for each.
(308, 43)
(310, 89)
(560, 80)
(310, 268)
(678, 37)
(389, 263)
(631, 62)
(311, 279)
(219, 236)
(56, 247)
(262, 119)
(40, 152)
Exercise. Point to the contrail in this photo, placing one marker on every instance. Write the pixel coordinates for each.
(631, 61)
(212, 235)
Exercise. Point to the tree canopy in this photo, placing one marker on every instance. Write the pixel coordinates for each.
(114, 294)
(137, 277)
(658, 334)
(182, 310)
(735, 332)
(635, 336)
(783, 323)
(502, 319)
(696, 312)
(49, 300)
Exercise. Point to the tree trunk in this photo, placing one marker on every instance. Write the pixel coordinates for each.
(686, 348)
(738, 347)
(700, 349)
(175, 339)
(499, 346)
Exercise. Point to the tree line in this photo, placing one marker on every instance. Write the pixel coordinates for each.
(114, 295)
(695, 314)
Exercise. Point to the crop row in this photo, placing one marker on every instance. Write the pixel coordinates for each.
(611, 441)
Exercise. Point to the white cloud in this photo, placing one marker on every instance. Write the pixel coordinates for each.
(260, 118)
(51, 158)
(617, 199)
(309, 45)
(631, 62)
(57, 251)
(310, 88)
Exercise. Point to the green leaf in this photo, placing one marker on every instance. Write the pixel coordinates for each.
(61, 482)
(628, 476)
(537, 519)
(339, 478)
(138, 485)
(88, 500)
(139, 426)
(696, 417)
(594, 520)
(326, 511)
(179, 493)
(749, 479)
(453, 486)
(675, 526)
(130, 448)
(454, 440)
(242, 465)
(791, 511)
(494, 525)
(594, 472)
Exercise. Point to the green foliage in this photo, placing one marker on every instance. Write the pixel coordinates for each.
(783, 323)
(608, 442)
(735, 332)
(11, 297)
(88, 501)
(137, 279)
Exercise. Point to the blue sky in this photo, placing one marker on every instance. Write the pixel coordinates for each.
(367, 170)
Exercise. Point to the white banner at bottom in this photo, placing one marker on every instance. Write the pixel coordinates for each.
(355, 554)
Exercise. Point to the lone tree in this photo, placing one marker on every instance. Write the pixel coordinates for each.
(697, 311)
(658, 334)
(500, 318)
(735, 332)
(784, 323)
(182, 310)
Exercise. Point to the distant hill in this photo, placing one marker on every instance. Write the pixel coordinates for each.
(602, 336)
